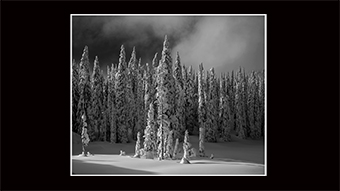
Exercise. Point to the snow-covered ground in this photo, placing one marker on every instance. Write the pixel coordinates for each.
(236, 157)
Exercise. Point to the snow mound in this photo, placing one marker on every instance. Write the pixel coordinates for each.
(184, 161)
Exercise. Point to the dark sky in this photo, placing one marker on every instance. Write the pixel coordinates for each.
(222, 42)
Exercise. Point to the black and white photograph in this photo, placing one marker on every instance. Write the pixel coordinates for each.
(229, 95)
(168, 95)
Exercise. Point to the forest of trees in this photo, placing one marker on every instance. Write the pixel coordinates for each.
(162, 101)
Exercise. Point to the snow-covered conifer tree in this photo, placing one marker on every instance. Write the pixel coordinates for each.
(245, 103)
(222, 93)
(105, 108)
(195, 109)
(84, 104)
(102, 127)
(184, 76)
(76, 125)
(130, 94)
(121, 99)
(251, 104)
(201, 110)
(97, 105)
(179, 97)
(232, 95)
(240, 114)
(211, 131)
(112, 105)
(140, 103)
(229, 92)
(165, 96)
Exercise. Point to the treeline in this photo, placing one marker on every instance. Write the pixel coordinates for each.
(162, 100)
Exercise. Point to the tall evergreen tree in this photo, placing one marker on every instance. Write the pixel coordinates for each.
(121, 99)
(96, 109)
(140, 103)
(149, 96)
(84, 104)
(155, 97)
(252, 106)
(259, 104)
(245, 105)
(102, 129)
(240, 113)
(165, 95)
(222, 93)
(230, 93)
(133, 72)
(201, 110)
(145, 81)
(195, 110)
(185, 96)
(207, 100)
(211, 133)
(233, 98)
(130, 94)
(179, 128)
(109, 101)
(105, 108)
(111, 105)
(76, 126)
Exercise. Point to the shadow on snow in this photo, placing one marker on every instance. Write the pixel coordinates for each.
(84, 168)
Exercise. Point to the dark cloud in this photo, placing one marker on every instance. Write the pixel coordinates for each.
(224, 42)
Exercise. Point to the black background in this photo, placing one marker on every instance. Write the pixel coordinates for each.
(303, 96)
